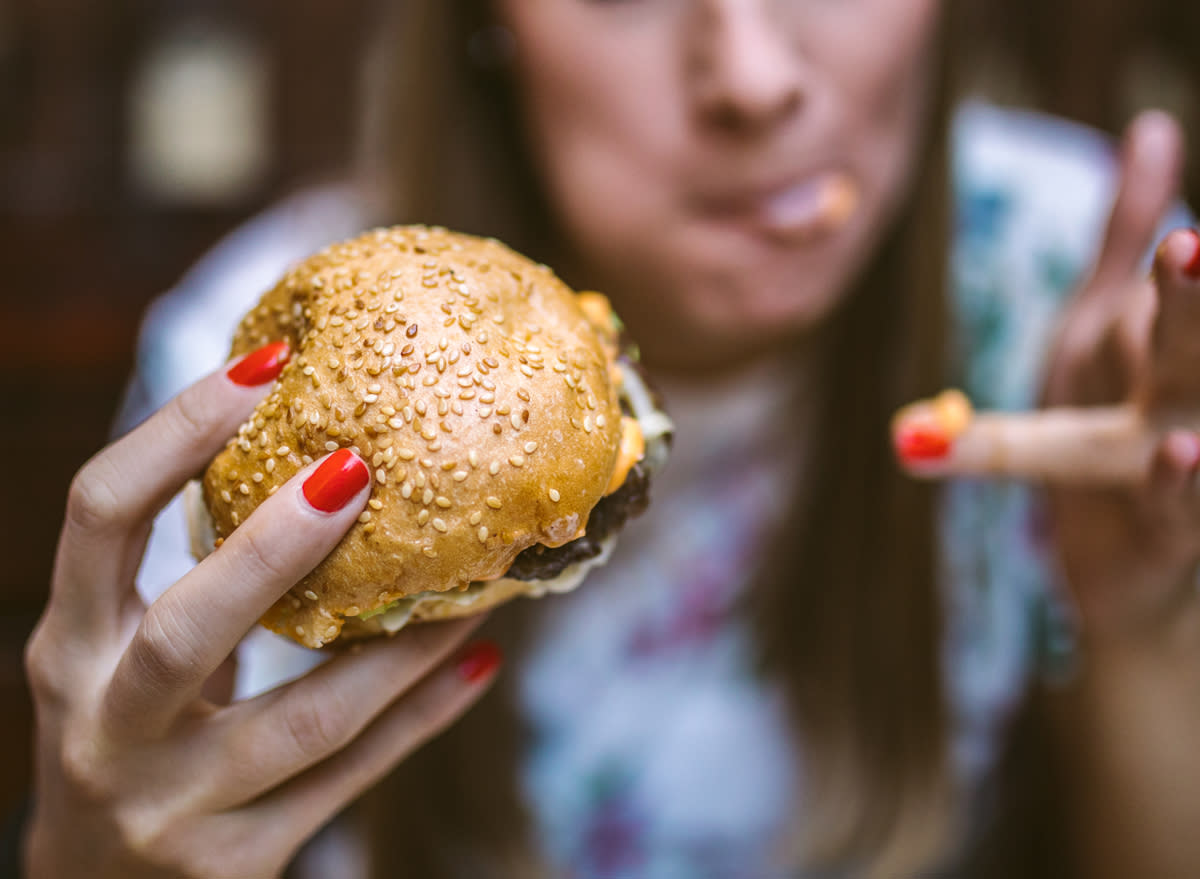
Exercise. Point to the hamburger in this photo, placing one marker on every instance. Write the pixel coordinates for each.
(506, 421)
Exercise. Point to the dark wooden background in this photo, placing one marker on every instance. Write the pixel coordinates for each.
(83, 249)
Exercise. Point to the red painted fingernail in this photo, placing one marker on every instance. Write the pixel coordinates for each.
(339, 478)
(920, 442)
(1191, 268)
(479, 661)
(260, 366)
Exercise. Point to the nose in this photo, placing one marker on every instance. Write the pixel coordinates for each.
(743, 74)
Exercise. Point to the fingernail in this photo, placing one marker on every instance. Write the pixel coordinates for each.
(260, 366)
(922, 442)
(339, 478)
(479, 661)
(1191, 268)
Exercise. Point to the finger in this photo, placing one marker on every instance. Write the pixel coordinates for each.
(1174, 376)
(1094, 446)
(295, 810)
(267, 740)
(115, 495)
(1150, 169)
(194, 626)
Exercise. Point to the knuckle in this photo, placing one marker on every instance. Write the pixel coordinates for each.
(92, 504)
(192, 416)
(44, 670)
(258, 555)
(315, 724)
(83, 769)
(160, 649)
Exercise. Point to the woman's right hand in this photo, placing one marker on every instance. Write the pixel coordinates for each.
(137, 774)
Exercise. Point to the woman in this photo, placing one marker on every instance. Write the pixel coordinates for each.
(762, 189)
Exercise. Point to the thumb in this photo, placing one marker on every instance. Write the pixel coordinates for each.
(1151, 165)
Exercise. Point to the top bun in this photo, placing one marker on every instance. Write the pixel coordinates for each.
(470, 380)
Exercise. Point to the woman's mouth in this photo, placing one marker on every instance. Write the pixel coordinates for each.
(791, 213)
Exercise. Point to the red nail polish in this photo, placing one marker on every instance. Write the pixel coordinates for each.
(479, 661)
(919, 442)
(260, 366)
(339, 478)
(1191, 268)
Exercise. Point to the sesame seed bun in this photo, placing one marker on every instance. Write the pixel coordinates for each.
(481, 394)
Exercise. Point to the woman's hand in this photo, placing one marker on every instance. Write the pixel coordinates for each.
(1130, 552)
(137, 774)
(1117, 443)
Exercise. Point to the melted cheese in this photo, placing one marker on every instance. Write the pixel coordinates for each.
(633, 448)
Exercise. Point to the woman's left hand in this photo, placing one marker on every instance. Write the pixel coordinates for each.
(1130, 553)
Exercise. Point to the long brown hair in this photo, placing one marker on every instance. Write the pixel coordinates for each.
(848, 617)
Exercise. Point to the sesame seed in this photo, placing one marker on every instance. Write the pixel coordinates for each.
(516, 421)
(406, 490)
(429, 552)
(235, 518)
(473, 458)
(494, 468)
(493, 502)
(460, 475)
(257, 477)
(406, 454)
(283, 451)
(381, 476)
(422, 517)
(482, 533)
(369, 528)
(476, 517)
(364, 516)
(427, 496)
(439, 525)
(310, 595)
(375, 503)
(226, 496)
(554, 495)
(244, 488)
(443, 502)
(331, 446)
(530, 447)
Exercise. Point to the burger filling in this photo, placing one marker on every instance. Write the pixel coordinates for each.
(396, 614)
(540, 562)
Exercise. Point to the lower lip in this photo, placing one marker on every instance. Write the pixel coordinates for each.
(808, 211)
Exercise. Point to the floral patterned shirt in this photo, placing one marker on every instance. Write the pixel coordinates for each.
(657, 752)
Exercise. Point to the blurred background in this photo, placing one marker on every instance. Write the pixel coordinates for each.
(134, 133)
